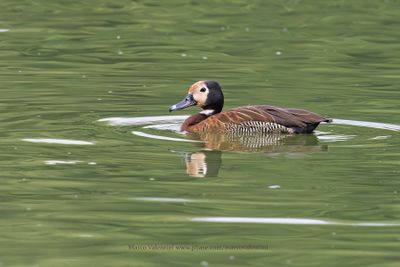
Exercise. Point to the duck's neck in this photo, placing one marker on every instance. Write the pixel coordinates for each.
(197, 118)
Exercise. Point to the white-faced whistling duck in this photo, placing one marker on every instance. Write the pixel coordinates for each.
(242, 120)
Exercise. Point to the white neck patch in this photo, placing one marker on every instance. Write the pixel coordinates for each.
(207, 112)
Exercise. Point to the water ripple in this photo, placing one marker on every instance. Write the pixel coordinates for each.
(58, 141)
(164, 199)
(55, 162)
(118, 121)
(160, 137)
(297, 221)
(327, 136)
(369, 124)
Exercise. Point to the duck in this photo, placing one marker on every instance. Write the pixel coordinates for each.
(251, 119)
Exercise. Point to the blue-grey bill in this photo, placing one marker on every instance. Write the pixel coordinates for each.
(188, 101)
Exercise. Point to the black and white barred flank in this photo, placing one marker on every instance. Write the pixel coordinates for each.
(256, 127)
(259, 141)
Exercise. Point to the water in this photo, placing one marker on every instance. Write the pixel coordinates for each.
(80, 189)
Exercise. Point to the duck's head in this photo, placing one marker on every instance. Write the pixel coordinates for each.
(205, 94)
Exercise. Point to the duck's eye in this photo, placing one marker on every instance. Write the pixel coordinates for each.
(203, 90)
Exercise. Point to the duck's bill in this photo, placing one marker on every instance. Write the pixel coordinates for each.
(188, 101)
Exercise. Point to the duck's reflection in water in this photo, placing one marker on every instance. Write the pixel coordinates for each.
(203, 163)
(207, 161)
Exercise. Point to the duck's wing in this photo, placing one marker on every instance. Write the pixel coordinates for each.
(298, 119)
(293, 116)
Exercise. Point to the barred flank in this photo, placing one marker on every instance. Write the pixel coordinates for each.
(255, 127)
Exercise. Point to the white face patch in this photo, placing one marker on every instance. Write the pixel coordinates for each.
(199, 96)
(207, 112)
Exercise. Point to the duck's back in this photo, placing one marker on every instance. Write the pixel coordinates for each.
(260, 119)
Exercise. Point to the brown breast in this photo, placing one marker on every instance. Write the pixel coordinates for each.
(257, 118)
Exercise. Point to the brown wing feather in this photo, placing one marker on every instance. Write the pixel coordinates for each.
(291, 117)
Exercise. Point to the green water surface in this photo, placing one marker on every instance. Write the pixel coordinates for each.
(67, 64)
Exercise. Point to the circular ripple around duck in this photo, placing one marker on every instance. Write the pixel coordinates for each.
(172, 123)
